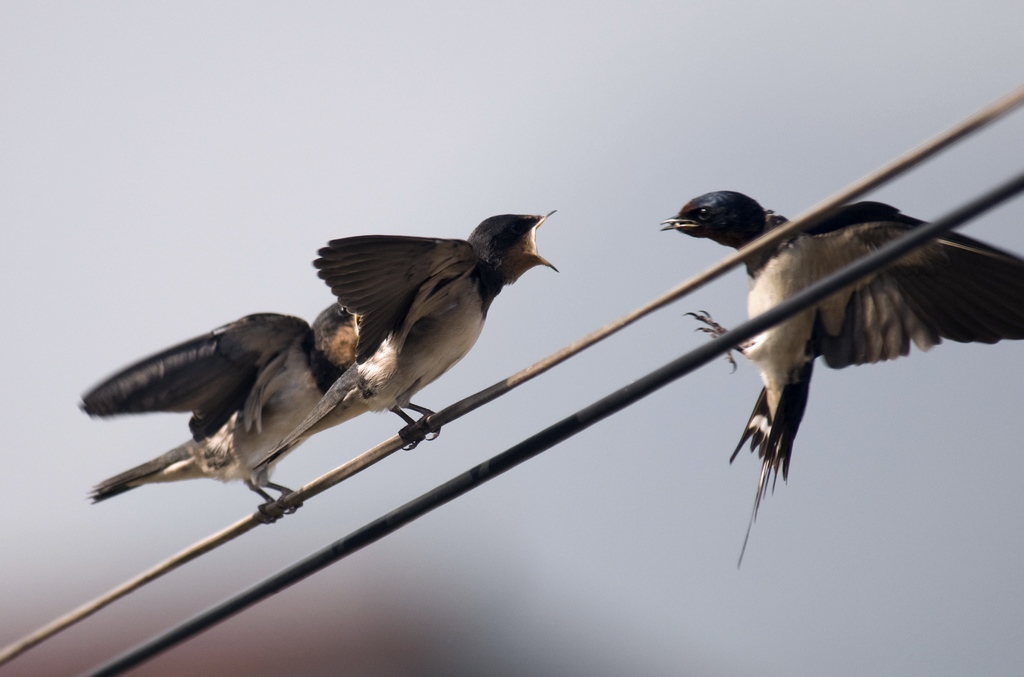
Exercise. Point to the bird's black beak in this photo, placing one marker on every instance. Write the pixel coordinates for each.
(677, 223)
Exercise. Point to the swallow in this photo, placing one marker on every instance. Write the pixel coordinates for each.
(422, 304)
(954, 288)
(247, 384)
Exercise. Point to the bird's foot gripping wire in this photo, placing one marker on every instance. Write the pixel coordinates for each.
(274, 509)
(716, 330)
(416, 431)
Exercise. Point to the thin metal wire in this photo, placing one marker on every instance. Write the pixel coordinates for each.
(435, 421)
(560, 431)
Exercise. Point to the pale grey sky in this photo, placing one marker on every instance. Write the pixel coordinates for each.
(170, 167)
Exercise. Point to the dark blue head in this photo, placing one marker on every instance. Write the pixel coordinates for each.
(508, 243)
(727, 217)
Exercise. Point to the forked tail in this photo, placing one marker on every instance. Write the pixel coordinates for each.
(151, 471)
(772, 436)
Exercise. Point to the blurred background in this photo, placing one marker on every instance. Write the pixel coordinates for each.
(170, 167)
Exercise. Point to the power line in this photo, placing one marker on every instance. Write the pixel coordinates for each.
(562, 430)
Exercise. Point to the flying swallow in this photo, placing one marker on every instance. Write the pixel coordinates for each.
(247, 384)
(955, 287)
(422, 304)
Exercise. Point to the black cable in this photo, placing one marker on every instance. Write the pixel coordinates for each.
(562, 430)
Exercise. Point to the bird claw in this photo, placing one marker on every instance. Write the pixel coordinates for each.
(271, 511)
(716, 330)
(268, 513)
(416, 432)
(290, 509)
(712, 327)
(274, 509)
(730, 360)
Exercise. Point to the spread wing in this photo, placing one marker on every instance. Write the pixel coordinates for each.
(954, 287)
(210, 375)
(379, 276)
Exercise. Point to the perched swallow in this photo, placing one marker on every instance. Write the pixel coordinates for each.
(247, 384)
(422, 303)
(955, 287)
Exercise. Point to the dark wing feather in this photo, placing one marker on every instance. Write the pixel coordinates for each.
(378, 276)
(210, 375)
(860, 213)
(954, 287)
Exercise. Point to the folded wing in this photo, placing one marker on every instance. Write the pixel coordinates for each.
(379, 276)
(211, 375)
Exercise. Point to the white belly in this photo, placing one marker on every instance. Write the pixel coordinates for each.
(396, 373)
(780, 350)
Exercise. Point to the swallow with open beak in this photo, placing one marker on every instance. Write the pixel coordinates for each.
(954, 287)
(422, 303)
(247, 384)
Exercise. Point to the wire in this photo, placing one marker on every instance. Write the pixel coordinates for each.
(562, 430)
(434, 422)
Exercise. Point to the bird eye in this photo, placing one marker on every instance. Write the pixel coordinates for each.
(703, 214)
